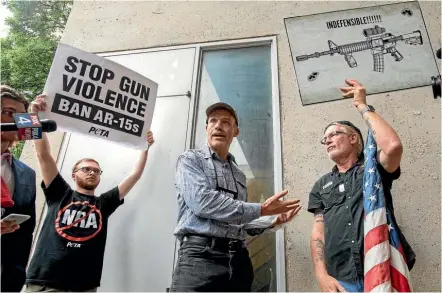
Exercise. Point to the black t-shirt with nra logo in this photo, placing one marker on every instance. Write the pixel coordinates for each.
(70, 248)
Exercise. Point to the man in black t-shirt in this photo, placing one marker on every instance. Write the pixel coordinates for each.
(70, 248)
(336, 199)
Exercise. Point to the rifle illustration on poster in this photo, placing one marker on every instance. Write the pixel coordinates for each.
(386, 47)
(377, 41)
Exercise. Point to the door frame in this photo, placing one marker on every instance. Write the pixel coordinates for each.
(194, 92)
(277, 141)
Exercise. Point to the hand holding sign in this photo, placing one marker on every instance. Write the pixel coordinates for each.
(39, 104)
(150, 139)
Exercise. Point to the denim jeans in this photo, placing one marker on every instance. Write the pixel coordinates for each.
(44, 288)
(204, 268)
(356, 285)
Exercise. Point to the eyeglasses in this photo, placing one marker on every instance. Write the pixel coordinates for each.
(89, 170)
(331, 135)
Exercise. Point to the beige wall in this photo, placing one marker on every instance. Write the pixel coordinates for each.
(110, 26)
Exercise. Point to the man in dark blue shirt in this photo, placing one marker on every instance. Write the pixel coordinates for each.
(336, 199)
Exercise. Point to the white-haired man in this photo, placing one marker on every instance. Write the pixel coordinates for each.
(337, 239)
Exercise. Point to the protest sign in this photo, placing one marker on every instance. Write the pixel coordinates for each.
(91, 95)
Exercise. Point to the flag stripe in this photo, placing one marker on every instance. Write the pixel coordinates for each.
(398, 262)
(377, 255)
(398, 281)
(385, 267)
(376, 276)
(374, 219)
(375, 236)
(384, 287)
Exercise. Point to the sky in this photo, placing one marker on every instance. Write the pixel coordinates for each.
(4, 12)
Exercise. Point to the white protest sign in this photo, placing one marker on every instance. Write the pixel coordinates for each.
(91, 95)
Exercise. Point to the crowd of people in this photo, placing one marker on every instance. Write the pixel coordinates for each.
(214, 214)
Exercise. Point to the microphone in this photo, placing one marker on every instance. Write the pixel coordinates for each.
(46, 126)
(28, 126)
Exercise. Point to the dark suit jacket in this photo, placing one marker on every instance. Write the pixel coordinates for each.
(16, 246)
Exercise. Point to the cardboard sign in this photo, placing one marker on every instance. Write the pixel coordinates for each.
(386, 48)
(91, 95)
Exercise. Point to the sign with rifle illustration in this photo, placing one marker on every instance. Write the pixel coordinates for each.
(385, 47)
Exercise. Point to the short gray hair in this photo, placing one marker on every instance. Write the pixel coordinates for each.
(353, 129)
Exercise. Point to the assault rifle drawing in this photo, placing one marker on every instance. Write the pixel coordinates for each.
(377, 41)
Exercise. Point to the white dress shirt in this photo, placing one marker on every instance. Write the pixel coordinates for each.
(7, 174)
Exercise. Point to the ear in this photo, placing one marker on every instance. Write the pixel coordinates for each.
(236, 132)
(73, 176)
(354, 138)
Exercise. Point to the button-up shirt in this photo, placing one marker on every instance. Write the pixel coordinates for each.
(7, 173)
(339, 195)
(206, 211)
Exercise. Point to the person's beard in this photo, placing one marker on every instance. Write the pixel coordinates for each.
(88, 185)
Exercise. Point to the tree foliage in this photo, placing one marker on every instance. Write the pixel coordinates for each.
(38, 19)
(35, 27)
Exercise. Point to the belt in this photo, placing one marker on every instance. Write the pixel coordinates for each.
(217, 243)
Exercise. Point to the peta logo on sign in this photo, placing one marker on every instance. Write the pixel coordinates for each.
(78, 221)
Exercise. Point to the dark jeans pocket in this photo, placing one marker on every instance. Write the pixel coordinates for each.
(243, 274)
(198, 269)
(190, 248)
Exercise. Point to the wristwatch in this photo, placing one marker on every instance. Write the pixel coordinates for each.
(369, 108)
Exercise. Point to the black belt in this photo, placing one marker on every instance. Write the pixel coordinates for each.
(217, 243)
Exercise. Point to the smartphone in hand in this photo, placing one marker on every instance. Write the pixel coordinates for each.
(16, 218)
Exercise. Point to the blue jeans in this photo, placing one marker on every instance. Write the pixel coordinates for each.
(356, 285)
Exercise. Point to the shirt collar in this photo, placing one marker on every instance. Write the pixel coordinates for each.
(206, 151)
(359, 162)
(7, 156)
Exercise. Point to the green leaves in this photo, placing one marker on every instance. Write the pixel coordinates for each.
(29, 65)
(35, 28)
(42, 19)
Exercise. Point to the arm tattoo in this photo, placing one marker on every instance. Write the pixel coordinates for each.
(319, 249)
(369, 126)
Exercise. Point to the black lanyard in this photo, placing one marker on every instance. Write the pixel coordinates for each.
(235, 193)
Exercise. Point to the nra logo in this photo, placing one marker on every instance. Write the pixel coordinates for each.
(78, 221)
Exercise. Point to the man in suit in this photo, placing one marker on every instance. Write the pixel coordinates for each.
(19, 180)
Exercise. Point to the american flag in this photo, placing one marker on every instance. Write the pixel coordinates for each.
(385, 268)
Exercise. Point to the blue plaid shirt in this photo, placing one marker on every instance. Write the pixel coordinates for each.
(205, 211)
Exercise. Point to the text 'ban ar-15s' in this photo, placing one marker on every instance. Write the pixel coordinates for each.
(377, 41)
